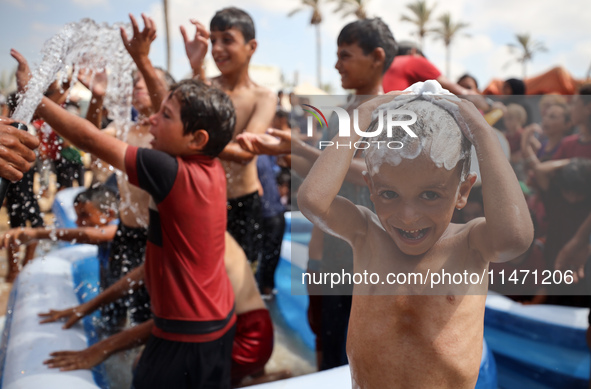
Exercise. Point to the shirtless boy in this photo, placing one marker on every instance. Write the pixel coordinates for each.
(233, 44)
(415, 194)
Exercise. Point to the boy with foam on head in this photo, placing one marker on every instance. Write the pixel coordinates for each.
(415, 191)
(233, 44)
(192, 298)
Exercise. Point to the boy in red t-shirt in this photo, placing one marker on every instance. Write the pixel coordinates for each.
(192, 298)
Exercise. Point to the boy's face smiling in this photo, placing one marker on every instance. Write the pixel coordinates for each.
(357, 70)
(229, 50)
(415, 201)
(167, 129)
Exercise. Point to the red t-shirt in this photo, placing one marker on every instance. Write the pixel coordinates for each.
(192, 298)
(406, 70)
(571, 147)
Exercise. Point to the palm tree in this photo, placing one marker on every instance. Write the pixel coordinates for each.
(528, 48)
(352, 7)
(421, 14)
(447, 31)
(167, 34)
(315, 21)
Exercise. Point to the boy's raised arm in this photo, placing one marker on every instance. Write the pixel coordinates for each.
(80, 132)
(138, 48)
(508, 229)
(317, 197)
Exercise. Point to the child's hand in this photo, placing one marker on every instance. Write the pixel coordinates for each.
(274, 142)
(573, 256)
(73, 315)
(18, 236)
(475, 122)
(23, 72)
(95, 82)
(197, 48)
(76, 360)
(139, 45)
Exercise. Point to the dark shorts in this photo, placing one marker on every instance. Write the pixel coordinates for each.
(127, 253)
(21, 203)
(253, 343)
(273, 230)
(166, 364)
(245, 224)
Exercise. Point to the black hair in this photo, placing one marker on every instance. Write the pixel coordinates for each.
(101, 196)
(575, 177)
(517, 86)
(205, 107)
(370, 34)
(465, 76)
(233, 17)
(406, 48)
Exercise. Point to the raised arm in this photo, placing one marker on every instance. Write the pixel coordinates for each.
(507, 230)
(196, 48)
(80, 132)
(317, 197)
(133, 280)
(99, 352)
(139, 49)
(97, 85)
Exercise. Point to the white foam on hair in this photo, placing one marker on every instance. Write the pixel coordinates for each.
(434, 105)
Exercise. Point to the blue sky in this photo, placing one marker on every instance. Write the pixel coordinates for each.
(289, 42)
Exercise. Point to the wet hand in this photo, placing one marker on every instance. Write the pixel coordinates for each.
(139, 45)
(73, 315)
(17, 236)
(23, 72)
(16, 150)
(76, 360)
(196, 48)
(573, 256)
(96, 82)
(274, 142)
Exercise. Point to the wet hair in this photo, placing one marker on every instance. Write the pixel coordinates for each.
(205, 107)
(468, 76)
(431, 128)
(233, 17)
(370, 34)
(575, 177)
(281, 114)
(102, 197)
(517, 86)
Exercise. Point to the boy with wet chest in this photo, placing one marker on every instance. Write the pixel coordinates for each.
(412, 334)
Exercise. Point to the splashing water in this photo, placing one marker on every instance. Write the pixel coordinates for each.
(94, 48)
(84, 45)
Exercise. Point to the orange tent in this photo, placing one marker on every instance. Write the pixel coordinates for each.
(556, 80)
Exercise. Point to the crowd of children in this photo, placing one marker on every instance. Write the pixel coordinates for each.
(199, 205)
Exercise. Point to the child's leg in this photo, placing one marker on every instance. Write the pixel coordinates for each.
(273, 229)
